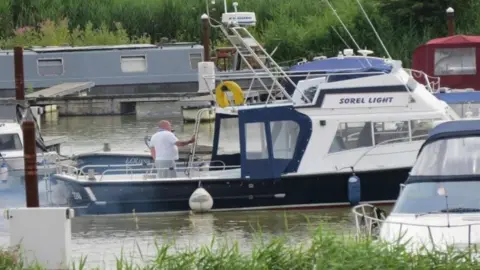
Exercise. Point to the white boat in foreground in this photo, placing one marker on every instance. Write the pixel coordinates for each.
(438, 206)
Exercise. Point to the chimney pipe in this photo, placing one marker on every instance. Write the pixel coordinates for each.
(451, 21)
(206, 38)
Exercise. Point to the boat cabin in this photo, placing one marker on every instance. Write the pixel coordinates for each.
(454, 59)
(332, 128)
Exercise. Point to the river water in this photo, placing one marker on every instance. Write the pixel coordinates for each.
(102, 239)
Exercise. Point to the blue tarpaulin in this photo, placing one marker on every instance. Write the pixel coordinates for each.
(352, 64)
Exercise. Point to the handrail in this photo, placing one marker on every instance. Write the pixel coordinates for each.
(195, 133)
(410, 139)
(150, 170)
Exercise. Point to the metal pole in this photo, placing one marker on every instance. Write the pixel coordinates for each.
(206, 38)
(30, 157)
(19, 77)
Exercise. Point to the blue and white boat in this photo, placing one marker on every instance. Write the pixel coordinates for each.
(329, 143)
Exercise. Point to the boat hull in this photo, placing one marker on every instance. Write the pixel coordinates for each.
(306, 191)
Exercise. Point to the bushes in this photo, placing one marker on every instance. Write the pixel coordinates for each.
(305, 28)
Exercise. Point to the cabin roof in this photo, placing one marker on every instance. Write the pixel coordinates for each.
(175, 46)
(455, 40)
(453, 129)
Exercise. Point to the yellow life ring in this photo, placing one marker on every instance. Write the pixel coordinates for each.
(221, 94)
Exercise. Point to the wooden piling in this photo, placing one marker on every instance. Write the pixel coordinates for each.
(19, 76)
(30, 158)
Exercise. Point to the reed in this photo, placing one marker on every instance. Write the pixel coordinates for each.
(304, 28)
(325, 250)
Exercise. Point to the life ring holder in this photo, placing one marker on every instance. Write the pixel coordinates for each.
(222, 97)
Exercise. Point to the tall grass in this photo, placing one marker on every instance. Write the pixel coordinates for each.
(304, 28)
(325, 251)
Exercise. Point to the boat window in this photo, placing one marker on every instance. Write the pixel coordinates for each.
(256, 142)
(284, 138)
(10, 142)
(424, 197)
(455, 61)
(228, 137)
(463, 109)
(50, 67)
(195, 58)
(133, 63)
(455, 156)
(351, 136)
(391, 132)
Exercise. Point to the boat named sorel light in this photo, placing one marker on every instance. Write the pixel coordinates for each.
(308, 149)
(438, 206)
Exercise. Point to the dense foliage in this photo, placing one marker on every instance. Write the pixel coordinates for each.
(304, 28)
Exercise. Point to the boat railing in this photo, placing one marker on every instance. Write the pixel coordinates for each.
(279, 77)
(431, 82)
(369, 220)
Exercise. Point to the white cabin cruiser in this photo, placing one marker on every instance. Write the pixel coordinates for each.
(12, 161)
(438, 206)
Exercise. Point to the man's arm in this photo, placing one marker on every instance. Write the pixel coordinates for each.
(153, 153)
(183, 143)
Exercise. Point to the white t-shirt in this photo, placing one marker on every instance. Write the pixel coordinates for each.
(165, 147)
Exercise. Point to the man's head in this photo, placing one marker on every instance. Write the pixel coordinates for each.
(164, 124)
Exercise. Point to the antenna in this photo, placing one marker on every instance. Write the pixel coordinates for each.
(373, 28)
(344, 27)
(225, 6)
(443, 192)
(338, 34)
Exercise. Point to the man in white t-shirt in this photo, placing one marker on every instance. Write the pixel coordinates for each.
(164, 148)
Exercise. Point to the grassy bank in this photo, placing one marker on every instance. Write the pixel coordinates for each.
(304, 28)
(325, 251)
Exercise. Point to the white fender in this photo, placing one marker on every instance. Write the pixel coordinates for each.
(200, 201)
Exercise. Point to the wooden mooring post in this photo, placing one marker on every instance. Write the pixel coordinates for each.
(28, 130)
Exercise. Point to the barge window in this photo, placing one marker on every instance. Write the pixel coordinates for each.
(10, 142)
(284, 138)
(351, 136)
(391, 132)
(256, 141)
(195, 58)
(50, 67)
(228, 137)
(455, 61)
(130, 64)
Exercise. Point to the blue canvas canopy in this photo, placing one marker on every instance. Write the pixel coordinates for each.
(342, 66)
